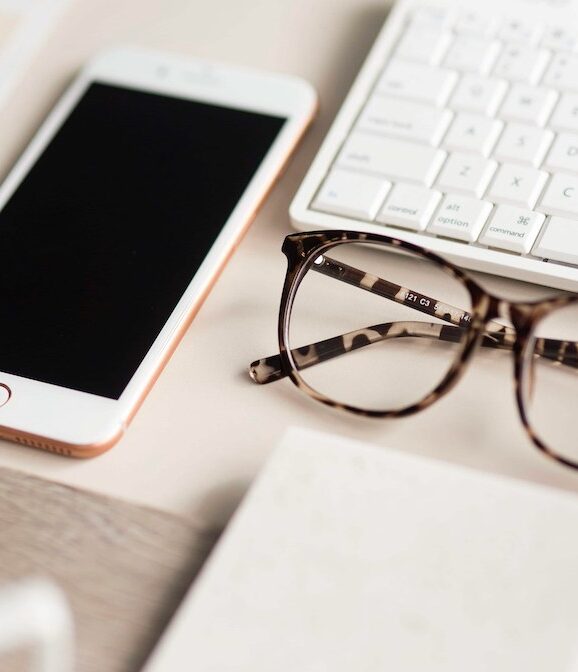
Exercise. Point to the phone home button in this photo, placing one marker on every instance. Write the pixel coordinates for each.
(5, 394)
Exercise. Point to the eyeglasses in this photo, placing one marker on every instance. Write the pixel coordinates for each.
(343, 345)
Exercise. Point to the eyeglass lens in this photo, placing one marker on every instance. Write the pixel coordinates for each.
(387, 328)
(550, 388)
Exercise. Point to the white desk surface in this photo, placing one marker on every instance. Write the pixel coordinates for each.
(205, 429)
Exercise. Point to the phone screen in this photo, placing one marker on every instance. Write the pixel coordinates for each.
(107, 230)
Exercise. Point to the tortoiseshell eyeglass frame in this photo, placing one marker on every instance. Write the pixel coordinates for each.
(307, 251)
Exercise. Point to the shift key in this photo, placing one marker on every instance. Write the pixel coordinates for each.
(395, 159)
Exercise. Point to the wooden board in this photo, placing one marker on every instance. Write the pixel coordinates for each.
(123, 567)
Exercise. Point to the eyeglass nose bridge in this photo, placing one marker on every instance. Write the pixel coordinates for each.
(521, 316)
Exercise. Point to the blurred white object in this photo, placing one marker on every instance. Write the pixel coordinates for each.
(24, 25)
(345, 556)
(34, 613)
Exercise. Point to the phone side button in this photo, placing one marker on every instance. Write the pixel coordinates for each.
(5, 394)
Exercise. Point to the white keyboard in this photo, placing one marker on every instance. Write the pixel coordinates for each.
(24, 24)
(460, 134)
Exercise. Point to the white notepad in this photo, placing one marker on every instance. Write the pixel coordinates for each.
(347, 557)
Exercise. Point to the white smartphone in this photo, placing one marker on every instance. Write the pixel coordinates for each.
(114, 224)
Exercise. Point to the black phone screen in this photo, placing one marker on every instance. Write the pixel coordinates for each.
(102, 237)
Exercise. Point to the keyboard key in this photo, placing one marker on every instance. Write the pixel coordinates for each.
(478, 94)
(475, 23)
(517, 185)
(409, 207)
(421, 83)
(560, 39)
(559, 241)
(519, 30)
(564, 154)
(433, 16)
(528, 104)
(513, 229)
(460, 217)
(472, 54)
(473, 133)
(351, 194)
(423, 45)
(405, 119)
(561, 196)
(565, 117)
(523, 144)
(394, 159)
(467, 174)
(563, 72)
(519, 63)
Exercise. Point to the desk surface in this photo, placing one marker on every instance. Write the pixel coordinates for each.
(195, 445)
(124, 568)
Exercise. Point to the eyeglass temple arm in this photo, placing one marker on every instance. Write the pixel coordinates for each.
(388, 290)
(269, 369)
